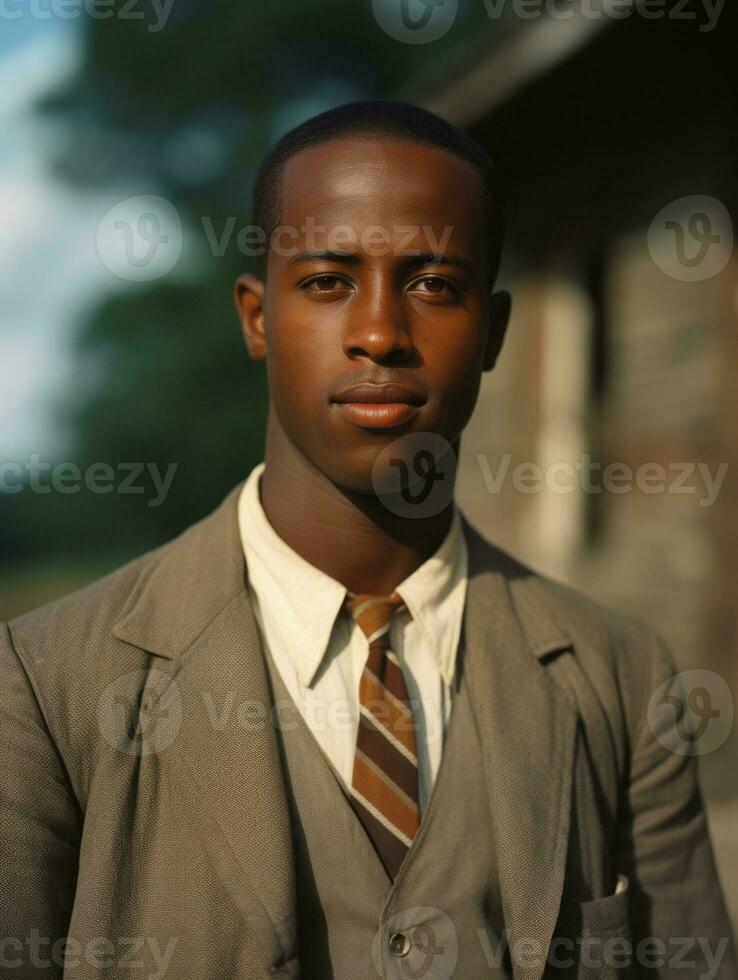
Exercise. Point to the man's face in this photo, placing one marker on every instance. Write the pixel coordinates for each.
(380, 275)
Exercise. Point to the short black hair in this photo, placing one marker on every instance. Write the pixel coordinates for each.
(374, 119)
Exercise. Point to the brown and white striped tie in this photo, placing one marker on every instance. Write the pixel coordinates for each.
(385, 777)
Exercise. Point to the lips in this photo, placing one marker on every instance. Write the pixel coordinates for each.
(379, 406)
(379, 393)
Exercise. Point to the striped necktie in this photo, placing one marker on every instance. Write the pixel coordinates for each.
(385, 776)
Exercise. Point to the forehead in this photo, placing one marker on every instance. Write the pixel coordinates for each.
(367, 182)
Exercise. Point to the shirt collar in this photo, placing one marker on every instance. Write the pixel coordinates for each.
(309, 600)
(435, 592)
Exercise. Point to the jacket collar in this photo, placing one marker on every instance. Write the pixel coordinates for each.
(196, 575)
(186, 584)
(527, 722)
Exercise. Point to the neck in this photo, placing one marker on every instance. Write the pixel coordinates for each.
(350, 536)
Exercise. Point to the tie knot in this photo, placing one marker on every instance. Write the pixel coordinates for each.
(373, 613)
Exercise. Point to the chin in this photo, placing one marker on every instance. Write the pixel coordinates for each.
(350, 469)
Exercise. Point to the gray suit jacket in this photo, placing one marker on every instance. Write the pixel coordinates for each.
(143, 811)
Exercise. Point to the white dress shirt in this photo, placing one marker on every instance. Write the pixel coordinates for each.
(320, 651)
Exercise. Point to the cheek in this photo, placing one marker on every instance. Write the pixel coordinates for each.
(457, 378)
(291, 350)
(455, 355)
(301, 365)
(300, 337)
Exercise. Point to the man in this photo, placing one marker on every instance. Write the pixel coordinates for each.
(331, 731)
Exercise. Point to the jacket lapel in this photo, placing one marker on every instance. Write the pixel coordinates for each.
(223, 770)
(527, 727)
(191, 608)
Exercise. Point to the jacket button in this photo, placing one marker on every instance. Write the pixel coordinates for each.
(399, 944)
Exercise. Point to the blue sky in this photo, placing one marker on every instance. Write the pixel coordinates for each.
(49, 270)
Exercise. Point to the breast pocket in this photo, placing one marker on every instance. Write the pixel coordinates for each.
(593, 939)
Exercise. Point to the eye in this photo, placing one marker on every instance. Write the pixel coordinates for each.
(437, 286)
(325, 283)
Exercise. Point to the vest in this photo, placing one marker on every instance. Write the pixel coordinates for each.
(442, 916)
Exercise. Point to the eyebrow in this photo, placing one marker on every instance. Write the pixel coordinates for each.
(411, 259)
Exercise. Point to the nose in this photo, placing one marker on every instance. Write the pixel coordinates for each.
(378, 326)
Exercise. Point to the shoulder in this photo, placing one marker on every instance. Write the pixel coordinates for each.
(622, 658)
(69, 652)
(609, 643)
(58, 662)
(170, 578)
(536, 596)
(77, 625)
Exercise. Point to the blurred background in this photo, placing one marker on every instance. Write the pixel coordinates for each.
(129, 136)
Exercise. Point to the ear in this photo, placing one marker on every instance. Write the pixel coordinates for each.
(249, 299)
(499, 316)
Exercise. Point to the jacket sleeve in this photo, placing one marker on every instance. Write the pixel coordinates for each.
(677, 906)
(40, 828)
